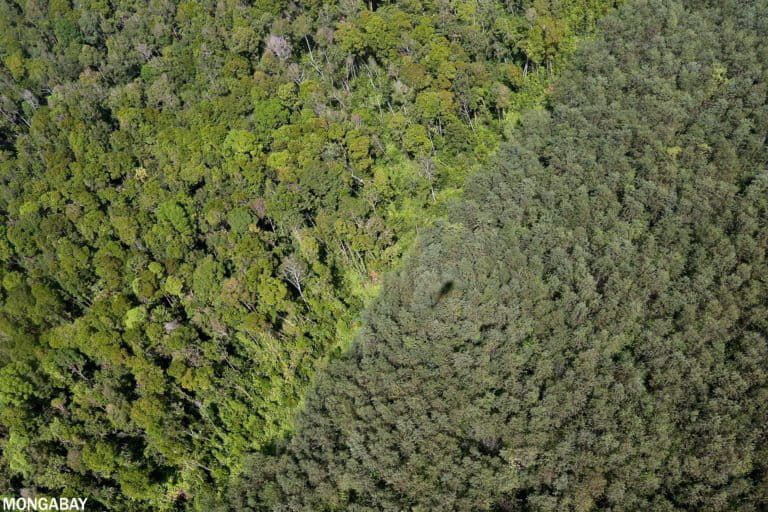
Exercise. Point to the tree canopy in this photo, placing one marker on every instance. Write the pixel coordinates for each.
(198, 197)
(588, 330)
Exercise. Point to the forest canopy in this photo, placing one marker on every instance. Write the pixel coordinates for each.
(363, 255)
(198, 198)
(588, 329)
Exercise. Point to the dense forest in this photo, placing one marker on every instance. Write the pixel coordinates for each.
(588, 329)
(548, 246)
(198, 198)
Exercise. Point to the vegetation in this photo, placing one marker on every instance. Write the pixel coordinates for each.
(197, 198)
(588, 330)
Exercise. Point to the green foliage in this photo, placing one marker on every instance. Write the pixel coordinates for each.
(135, 317)
(239, 220)
(416, 140)
(172, 212)
(587, 330)
(197, 199)
(15, 388)
(173, 285)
